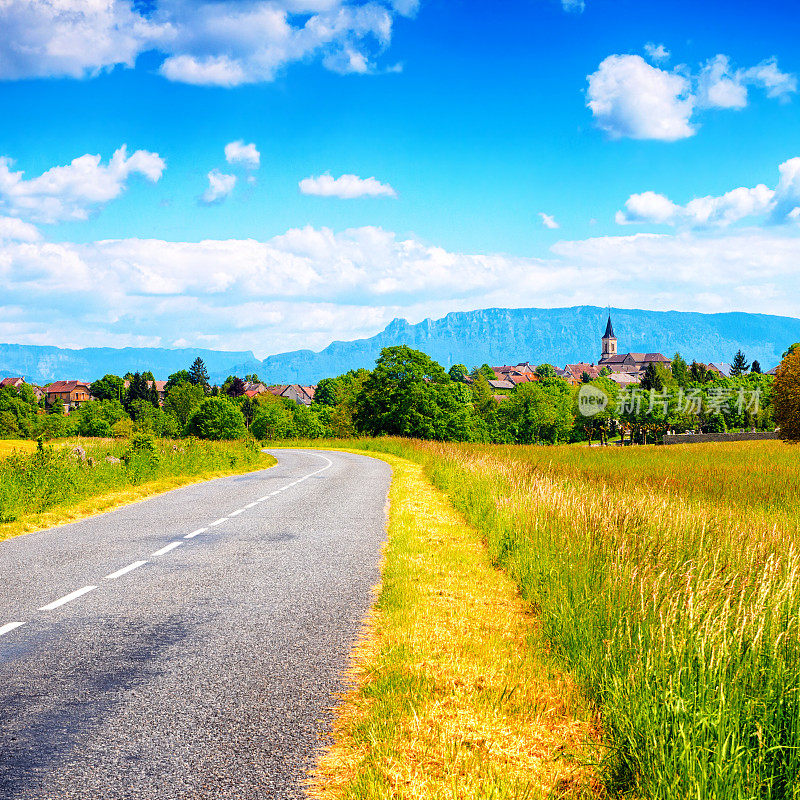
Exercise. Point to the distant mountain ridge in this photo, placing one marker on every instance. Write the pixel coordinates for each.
(495, 335)
(554, 335)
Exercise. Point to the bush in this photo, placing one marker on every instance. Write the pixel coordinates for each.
(216, 418)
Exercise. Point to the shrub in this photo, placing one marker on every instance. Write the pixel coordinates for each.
(216, 418)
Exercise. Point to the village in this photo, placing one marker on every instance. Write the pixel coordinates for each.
(624, 369)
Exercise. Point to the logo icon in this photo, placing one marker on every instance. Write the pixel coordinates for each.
(591, 400)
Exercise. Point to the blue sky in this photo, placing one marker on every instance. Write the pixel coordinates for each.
(388, 158)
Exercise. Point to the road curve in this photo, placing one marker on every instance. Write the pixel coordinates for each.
(161, 655)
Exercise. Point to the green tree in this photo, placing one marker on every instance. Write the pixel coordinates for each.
(235, 388)
(198, 375)
(409, 394)
(458, 372)
(216, 418)
(182, 399)
(652, 378)
(786, 395)
(272, 421)
(181, 376)
(484, 370)
(327, 393)
(545, 371)
(740, 365)
(586, 377)
(252, 378)
(755, 368)
(700, 373)
(680, 370)
(539, 412)
(109, 387)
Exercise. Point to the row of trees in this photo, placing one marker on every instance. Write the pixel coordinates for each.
(409, 394)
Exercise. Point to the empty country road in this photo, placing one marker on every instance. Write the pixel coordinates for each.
(190, 645)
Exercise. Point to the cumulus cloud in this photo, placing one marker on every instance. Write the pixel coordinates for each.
(548, 220)
(576, 6)
(203, 43)
(777, 205)
(15, 230)
(347, 187)
(630, 98)
(220, 186)
(240, 153)
(73, 191)
(309, 286)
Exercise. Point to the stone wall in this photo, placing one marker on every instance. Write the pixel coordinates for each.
(691, 438)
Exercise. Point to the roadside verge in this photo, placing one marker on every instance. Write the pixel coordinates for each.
(448, 697)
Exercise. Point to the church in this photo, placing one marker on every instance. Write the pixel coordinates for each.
(631, 363)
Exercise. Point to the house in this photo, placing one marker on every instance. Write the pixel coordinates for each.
(73, 394)
(304, 395)
(506, 386)
(633, 363)
(624, 379)
(252, 389)
(574, 372)
(14, 383)
(721, 370)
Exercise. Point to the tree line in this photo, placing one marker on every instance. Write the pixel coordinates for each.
(409, 394)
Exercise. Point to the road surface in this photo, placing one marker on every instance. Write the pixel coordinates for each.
(191, 645)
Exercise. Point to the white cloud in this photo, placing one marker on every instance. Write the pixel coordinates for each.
(656, 52)
(15, 230)
(778, 204)
(631, 98)
(573, 5)
(71, 192)
(240, 153)
(204, 43)
(346, 187)
(220, 186)
(310, 286)
(549, 221)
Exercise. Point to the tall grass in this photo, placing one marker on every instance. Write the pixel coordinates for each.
(668, 582)
(31, 483)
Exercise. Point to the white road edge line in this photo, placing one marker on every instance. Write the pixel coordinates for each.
(68, 598)
(166, 549)
(195, 533)
(236, 513)
(125, 570)
(218, 522)
(251, 505)
(9, 626)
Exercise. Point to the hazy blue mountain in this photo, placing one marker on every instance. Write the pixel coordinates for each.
(45, 364)
(496, 335)
(556, 335)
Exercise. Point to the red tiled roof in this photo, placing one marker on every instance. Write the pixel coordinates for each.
(66, 386)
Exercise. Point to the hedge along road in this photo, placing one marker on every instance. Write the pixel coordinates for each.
(190, 645)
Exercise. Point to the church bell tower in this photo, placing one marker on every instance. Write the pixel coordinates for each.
(609, 341)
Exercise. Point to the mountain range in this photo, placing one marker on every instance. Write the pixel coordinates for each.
(495, 336)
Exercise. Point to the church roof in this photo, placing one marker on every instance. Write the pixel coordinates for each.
(609, 334)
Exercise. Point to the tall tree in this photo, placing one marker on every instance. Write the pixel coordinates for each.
(740, 364)
(181, 376)
(545, 371)
(652, 378)
(109, 387)
(198, 375)
(755, 368)
(786, 396)
(457, 372)
(236, 387)
(680, 371)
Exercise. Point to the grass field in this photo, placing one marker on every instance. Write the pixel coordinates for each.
(40, 488)
(666, 584)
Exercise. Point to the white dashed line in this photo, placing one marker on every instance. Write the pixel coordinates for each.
(9, 626)
(195, 533)
(166, 549)
(251, 505)
(219, 522)
(236, 513)
(68, 598)
(125, 570)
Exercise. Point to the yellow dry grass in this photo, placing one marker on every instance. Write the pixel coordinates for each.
(100, 504)
(10, 446)
(448, 698)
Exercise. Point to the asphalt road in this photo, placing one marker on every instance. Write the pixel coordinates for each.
(191, 666)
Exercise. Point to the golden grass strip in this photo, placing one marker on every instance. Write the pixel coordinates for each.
(451, 697)
(100, 504)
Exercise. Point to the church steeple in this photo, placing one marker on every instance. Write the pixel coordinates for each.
(609, 341)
